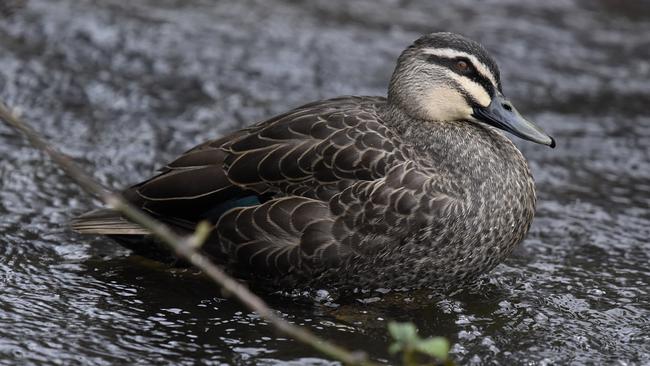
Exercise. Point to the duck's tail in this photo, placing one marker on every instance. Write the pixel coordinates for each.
(129, 235)
(106, 222)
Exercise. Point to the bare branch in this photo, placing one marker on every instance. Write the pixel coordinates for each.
(184, 247)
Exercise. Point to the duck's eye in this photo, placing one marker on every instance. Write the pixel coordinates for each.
(462, 66)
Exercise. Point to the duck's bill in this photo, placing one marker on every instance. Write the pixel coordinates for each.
(501, 114)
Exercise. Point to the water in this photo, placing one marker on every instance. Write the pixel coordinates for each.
(124, 88)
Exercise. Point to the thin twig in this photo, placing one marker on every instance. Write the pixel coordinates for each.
(184, 247)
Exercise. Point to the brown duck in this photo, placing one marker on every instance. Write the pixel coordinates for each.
(419, 189)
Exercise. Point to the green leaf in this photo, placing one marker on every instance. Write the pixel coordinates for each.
(403, 332)
(410, 344)
(395, 348)
(437, 347)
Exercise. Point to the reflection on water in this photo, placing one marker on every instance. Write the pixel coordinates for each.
(124, 88)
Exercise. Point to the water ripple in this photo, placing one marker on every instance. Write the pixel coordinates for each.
(123, 87)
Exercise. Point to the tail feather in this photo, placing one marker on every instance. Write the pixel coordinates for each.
(106, 222)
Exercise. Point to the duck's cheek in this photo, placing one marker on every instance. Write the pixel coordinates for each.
(444, 104)
(474, 90)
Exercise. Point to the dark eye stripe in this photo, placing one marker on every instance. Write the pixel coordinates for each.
(471, 73)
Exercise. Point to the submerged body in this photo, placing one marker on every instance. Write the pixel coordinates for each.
(419, 189)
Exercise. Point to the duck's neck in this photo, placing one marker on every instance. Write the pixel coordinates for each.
(464, 147)
(485, 165)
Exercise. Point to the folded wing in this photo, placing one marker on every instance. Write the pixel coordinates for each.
(301, 192)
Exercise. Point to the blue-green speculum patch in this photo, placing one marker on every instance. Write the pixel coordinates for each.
(503, 115)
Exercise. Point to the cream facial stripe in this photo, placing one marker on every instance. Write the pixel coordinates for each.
(451, 53)
(474, 89)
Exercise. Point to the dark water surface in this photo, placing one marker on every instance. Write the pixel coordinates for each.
(125, 86)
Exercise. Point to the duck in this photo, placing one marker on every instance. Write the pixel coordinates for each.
(417, 189)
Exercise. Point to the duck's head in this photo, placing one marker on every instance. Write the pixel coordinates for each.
(447, 77)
